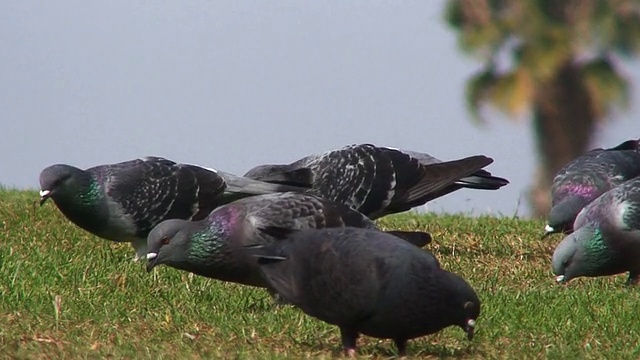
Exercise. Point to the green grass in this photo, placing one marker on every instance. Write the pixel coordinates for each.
(111, 308)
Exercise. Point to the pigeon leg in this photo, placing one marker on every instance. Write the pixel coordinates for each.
(278, 299)
(401, 344)
(634, 278)
(140, 246)
(348, 337)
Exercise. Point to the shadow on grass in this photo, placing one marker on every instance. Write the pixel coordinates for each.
(384, 348)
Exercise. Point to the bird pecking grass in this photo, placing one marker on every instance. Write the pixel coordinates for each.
(67, 294)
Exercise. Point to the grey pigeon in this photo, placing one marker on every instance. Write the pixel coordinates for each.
(124, 201)
(587, 177)
(365, 281)
(379, 181)
(210, 247)
(606, 240)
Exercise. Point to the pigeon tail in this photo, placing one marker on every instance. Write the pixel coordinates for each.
(439, 176)
(282, 174)
(482, 180)
(627, 145)
(239, 184)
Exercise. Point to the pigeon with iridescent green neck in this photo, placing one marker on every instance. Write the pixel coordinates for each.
(587, 177)
(122, 202)
(212, 247)
(378, 181)
(366, 282)
(606, 239)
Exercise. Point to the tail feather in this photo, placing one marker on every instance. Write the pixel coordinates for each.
(627, 145)
(482, 180)
(283, 175)
(243, 185)
(440, 175)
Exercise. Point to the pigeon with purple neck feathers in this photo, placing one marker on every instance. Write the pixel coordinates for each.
(584, 179)
(606, 240)
(212, 247)
(366, 282)
(378, 181)
(122, 202)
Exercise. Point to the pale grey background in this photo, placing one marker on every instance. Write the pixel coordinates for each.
(232, 84)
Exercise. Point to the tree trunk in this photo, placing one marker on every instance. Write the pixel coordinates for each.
(564, 121)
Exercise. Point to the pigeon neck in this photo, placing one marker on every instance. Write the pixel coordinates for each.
(597, 254)
(209, 242)
(80, 199)
(80, 189)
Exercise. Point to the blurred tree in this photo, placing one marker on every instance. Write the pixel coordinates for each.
(555, 61)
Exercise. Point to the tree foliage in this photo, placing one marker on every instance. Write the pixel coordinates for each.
(523, 43)
(556, 60)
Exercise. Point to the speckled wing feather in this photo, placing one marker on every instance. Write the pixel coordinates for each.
(153, 189)
(379, 181)
(617, 208)
(587, 177)
(299, 211)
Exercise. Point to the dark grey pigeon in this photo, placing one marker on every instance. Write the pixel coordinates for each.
(124, 201)
(213, 247)
(587, 177)
(379, 181)
(366, 282)
(606, 240)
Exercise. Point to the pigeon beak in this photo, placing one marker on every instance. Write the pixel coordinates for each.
(44, 195)
(470, 329)
(152, 261)
(560, 279)
(548, 230)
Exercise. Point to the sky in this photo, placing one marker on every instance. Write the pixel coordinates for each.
(234, 84)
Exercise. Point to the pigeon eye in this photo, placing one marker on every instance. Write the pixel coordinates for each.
(164, 241)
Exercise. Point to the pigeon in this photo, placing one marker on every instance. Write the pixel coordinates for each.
(378, 181)
(366, 282)
(606, 240)
(210, 247)
(122, 202)
(587, 177)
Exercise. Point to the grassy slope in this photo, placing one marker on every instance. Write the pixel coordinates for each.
(110, 307)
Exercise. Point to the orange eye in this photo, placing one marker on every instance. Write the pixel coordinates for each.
(164, 241)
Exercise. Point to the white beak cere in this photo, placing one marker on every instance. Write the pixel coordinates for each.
(471, 323)
(560, 278)
(548, 228)
(151, 255)
(44, 193)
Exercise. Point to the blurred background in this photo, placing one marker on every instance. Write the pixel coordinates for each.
(230, 84)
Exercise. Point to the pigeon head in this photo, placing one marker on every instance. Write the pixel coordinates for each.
(465, 306)
(56, 180)
(168, 242)
(582, 253)
(563, 214)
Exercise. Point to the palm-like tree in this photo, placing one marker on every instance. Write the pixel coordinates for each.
(556, 61)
